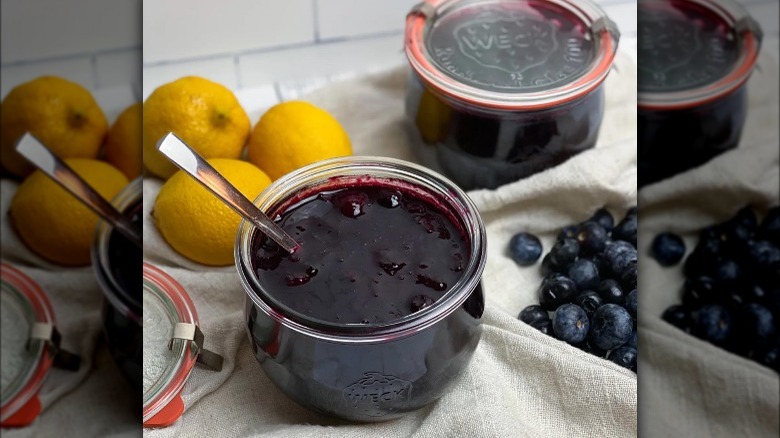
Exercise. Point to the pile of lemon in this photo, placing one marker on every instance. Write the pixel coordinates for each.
(209, 118)
(65, 117)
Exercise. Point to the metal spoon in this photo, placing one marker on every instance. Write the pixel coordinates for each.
(45, 160)
(197, 167)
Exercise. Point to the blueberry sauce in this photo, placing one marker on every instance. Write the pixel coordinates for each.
(371, 253)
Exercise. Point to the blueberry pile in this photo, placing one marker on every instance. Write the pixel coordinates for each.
(588, 296)
(731, 294)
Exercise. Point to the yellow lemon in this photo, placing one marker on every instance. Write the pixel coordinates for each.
(61, 114)
(204, 114)
(123, 142)
(194, 222)
(293, 134)
(51, 222)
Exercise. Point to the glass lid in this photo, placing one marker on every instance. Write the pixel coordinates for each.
(25, 359)
(167, 361)
(693, 51)
(512, 54)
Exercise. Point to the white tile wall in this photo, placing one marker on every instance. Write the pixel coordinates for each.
(347, 18)
(96, 43)
(182, 29)
(38, 29)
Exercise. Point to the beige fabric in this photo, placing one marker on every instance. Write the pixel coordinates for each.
(520, 382)
(689, 387)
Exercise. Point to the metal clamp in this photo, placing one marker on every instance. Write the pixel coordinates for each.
(423, 8)
(50, 336)
(750, 25)
(191, 332)
(606, 24)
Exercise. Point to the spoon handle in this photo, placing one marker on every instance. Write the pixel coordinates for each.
(191, 162)
(43, 158)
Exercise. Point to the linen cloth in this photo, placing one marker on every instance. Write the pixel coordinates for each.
(520, 382)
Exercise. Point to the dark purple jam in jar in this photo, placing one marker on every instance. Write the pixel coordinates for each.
(369, 254)
(380, 308)
(503, 89)
(118, 265)
(694, 59)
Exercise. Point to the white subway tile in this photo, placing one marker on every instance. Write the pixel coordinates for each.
(256, 101)
(346, 18)
(221, 70)
(114, 100)
(324, 59)
(182, 29)
(33, 30)
(78, 70)
(119, 68)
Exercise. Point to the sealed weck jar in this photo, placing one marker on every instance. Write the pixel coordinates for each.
(502, 89)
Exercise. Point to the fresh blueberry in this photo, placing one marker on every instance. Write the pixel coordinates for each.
(556, 291)
(698, 291)
(525, 249)
(632, 340)
(757, 324)
(624, 356)
(567, 232)
(628, 279)
(544, 327)
(611, 327)
(548, 267)
(589, 301)
(610, 292)
(570, 323)
(678, 316)
(584, 274)
(626, 229)
(631, 303)
(619, 256)
(603, 218)
(713, 323)
(592, 237)
(668, 249)
(533, 314)
(728, 272)
(588, 347)
(741, 226)
(564, 253)
(765, 255)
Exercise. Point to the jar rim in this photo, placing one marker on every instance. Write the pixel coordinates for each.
(749, 34)
(120, 299)
(317, 174)
(603, 30)
(42, 312)
(179, 309)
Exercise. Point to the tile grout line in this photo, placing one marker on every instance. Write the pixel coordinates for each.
(70, 57)
(316, 15)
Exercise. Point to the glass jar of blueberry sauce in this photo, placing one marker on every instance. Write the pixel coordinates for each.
(380, 308)
(118, 266)
(695, 57)
(502, 89)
